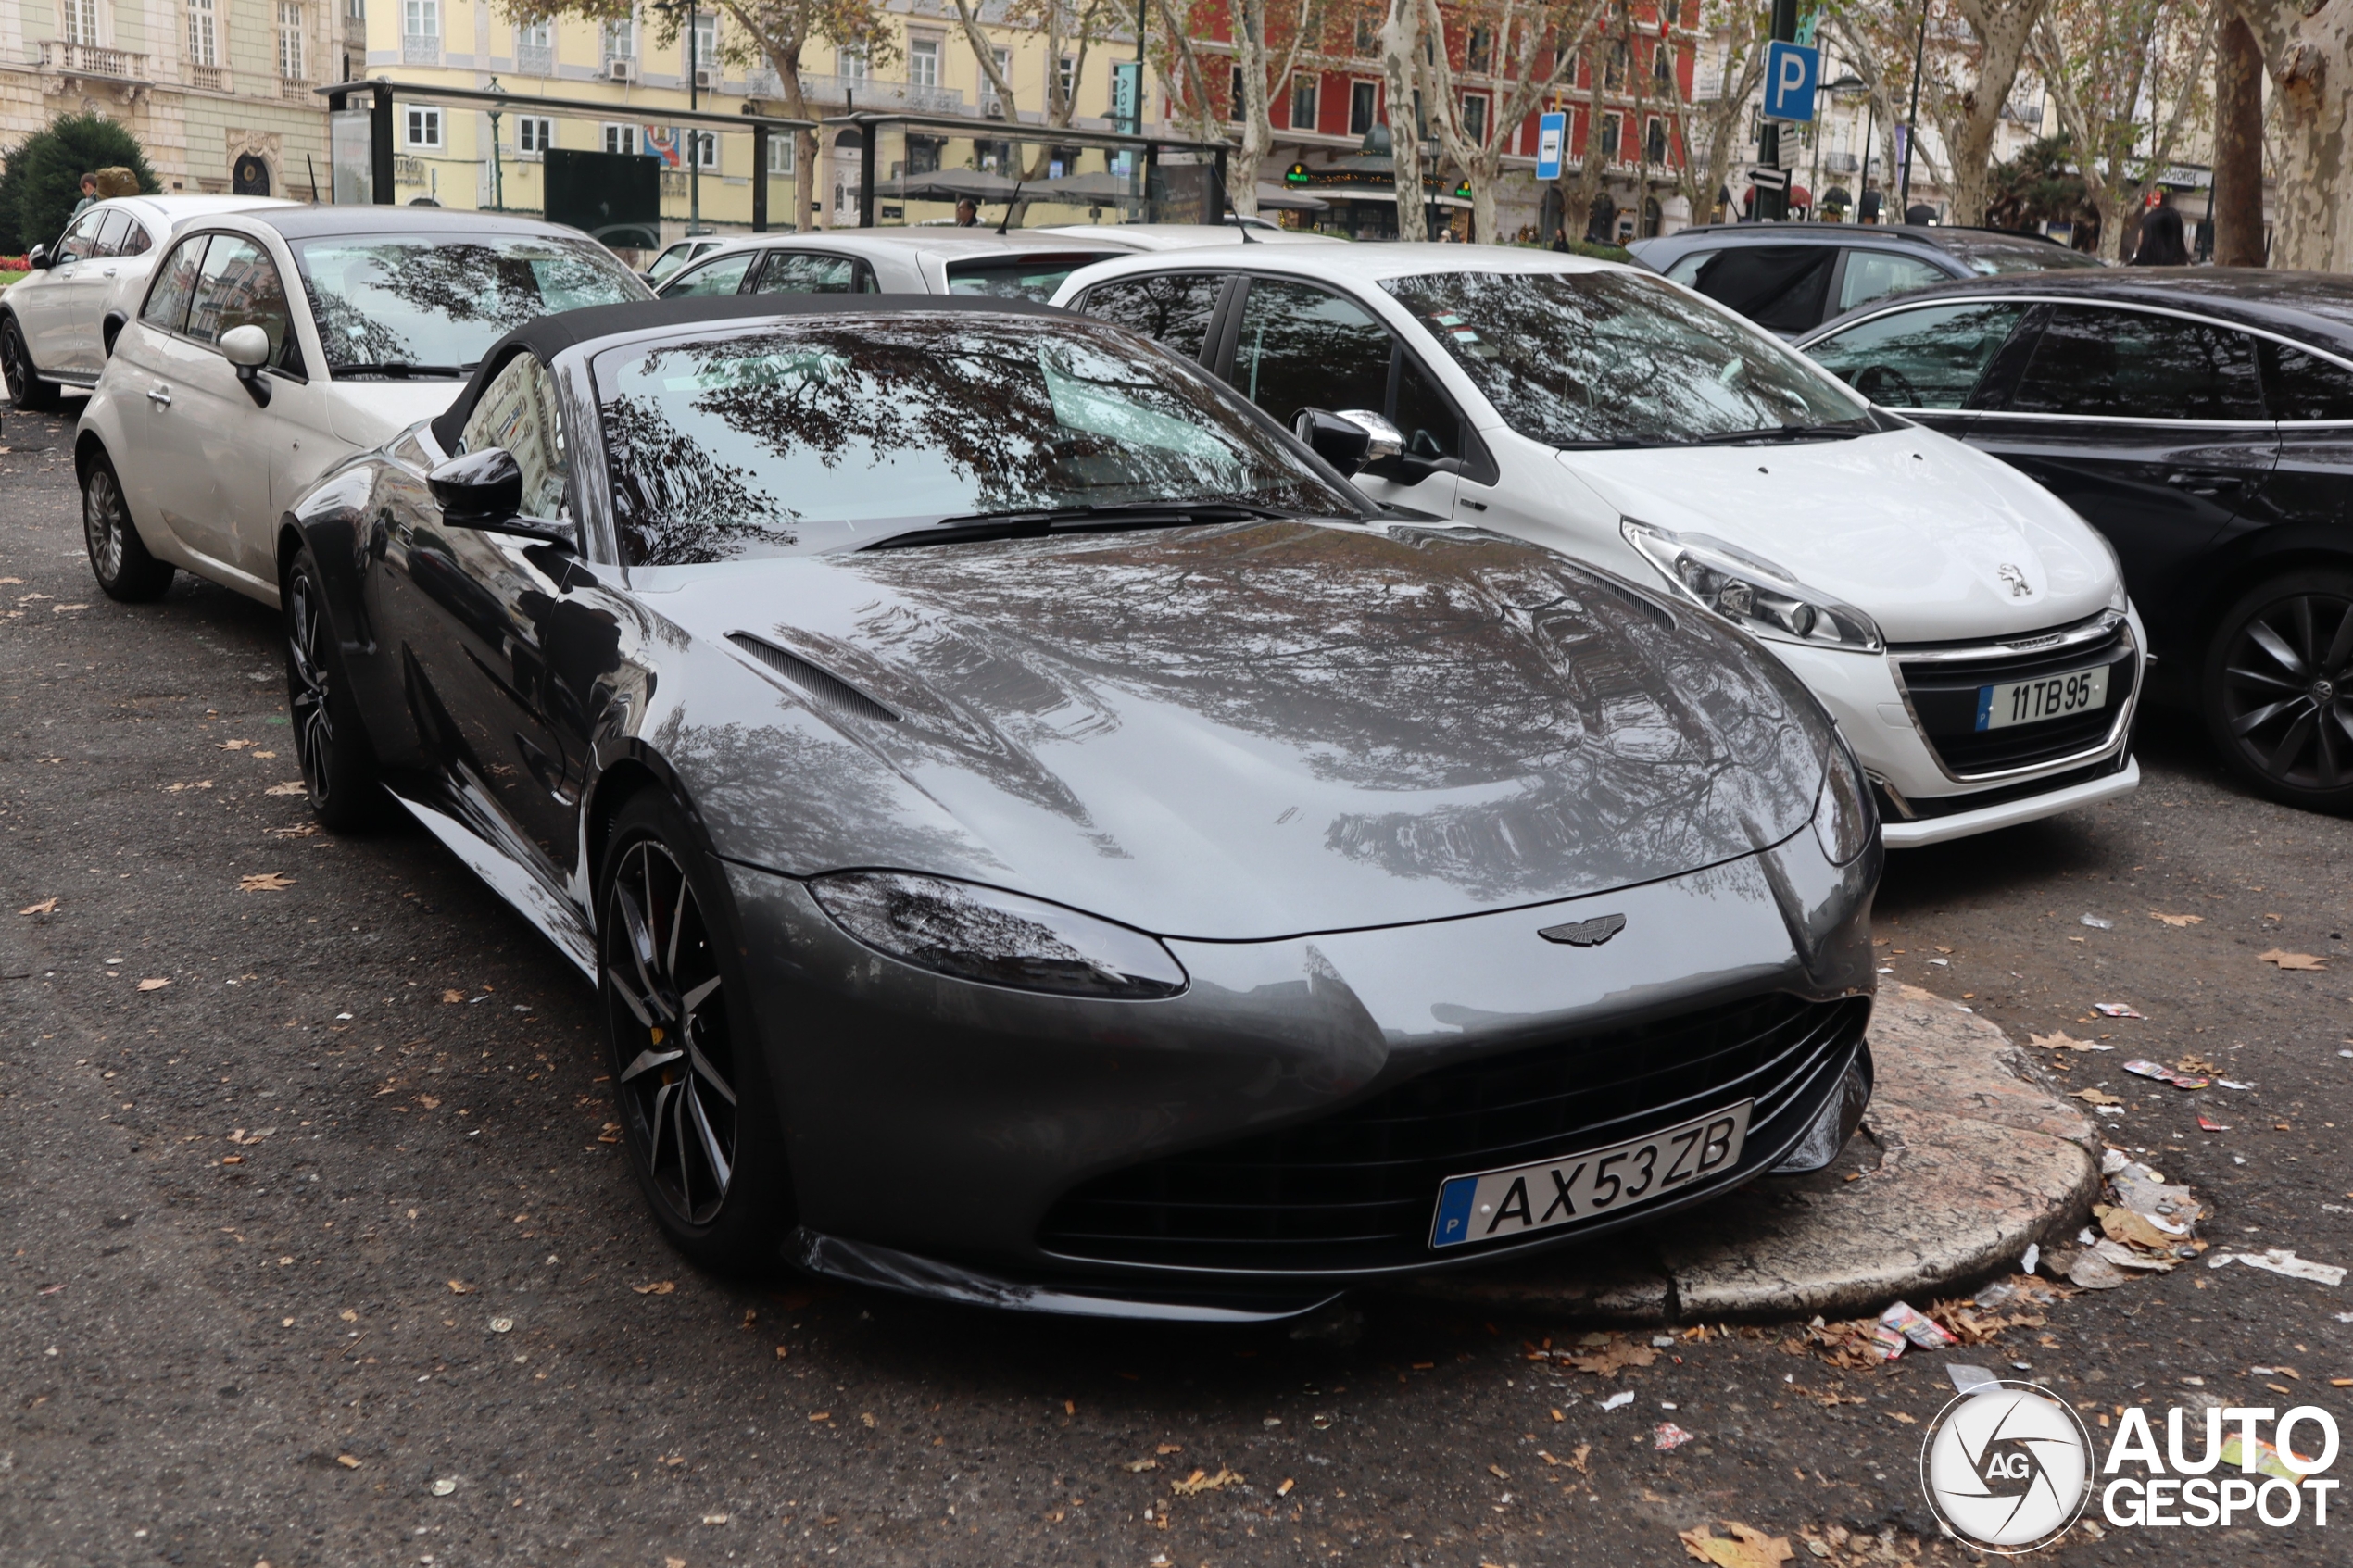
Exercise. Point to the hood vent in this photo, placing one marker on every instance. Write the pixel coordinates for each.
(823, 685)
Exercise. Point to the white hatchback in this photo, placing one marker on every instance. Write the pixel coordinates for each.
(269, 347)
(1969, 632)
(54, 325)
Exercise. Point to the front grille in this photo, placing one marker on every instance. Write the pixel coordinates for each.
(1356, 1189)
(1944, 693)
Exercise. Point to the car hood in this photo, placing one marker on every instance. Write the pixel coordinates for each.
(366, 414)
(1936, 541)
(1232, 733)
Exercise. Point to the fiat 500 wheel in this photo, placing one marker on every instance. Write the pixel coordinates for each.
(119, 558)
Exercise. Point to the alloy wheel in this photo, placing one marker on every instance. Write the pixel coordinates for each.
(2287, 690)
(307, 687)
(14, 368)
(104, 522)
(674, 1058)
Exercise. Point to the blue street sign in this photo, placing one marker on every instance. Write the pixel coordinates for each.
(1790, 72)
(1552, 129)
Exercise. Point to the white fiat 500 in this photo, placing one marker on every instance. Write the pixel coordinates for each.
(270, 345)
(1969, 632)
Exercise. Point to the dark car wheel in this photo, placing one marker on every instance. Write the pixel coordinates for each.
(2279, 689)
(339, 769)
(119, 558)
(25, 386)
(697, 1112)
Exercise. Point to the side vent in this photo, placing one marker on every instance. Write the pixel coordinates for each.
(822, 684)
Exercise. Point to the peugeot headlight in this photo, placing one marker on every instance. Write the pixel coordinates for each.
(1756, 595)
(2117, 600)
(1844, 818)
(968, 931)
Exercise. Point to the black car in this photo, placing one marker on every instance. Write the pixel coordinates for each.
(1790, 278)
(2202, 420)
(1043, 838)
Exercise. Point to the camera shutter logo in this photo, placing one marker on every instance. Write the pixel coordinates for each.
(2007, 1467)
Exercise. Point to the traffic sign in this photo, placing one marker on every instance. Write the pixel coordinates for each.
(1769, 178)
(1552, 131)
(1790, 72)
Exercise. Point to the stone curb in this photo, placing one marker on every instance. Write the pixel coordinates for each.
(1963, 1162)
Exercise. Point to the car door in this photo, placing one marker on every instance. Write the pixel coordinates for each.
(143, 356)
(721, 275)
(67, 289)
(507, 639)
(1929, 362)
(1172, 308)
(1293, 345)
(2311, 488)
(2150, 423)
(88, 296)
(214, 447)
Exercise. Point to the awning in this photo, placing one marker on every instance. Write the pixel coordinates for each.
(1331, 195)
(949, 186)
(1282, 200)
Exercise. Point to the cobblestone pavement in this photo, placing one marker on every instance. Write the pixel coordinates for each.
(312, 1250)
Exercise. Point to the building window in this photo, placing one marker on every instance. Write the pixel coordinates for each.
(540, 34)
(1361, 98)
(533, 134)
(80, 18)
(421, 19)
(780, 145)
(1663, 66)
(1475, 117)
(619, 40)
(1067, 72)
(706, 42)
(702, 149)
(923, 62)
(290, 58)
(988, 98)
(1479, 52)
(424, 127)
(357, 11)
(923, 153)
(1655, 142)
(620, 138)
(1614, 72)
(204, 29)
(1234, 98)
(1609, 136)
(1367, 34)
(853, 65)
(1302, 103)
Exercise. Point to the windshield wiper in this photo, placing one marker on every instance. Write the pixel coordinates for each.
(1078, 519)
(401, 369)
(1763, 434)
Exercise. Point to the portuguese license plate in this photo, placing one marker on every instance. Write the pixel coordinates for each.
(2032, 702)
(1498, 1205)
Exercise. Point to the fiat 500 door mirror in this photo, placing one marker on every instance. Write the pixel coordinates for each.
(247, 350)
(484, 490)
(1350, 439)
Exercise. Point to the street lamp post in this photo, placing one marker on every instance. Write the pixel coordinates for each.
(693, 102)
(1912, 120)
(498, 174)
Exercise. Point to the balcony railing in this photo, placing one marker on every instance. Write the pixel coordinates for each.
(294, 90)
(419, 49)
(211, 78)
(881, 92)
(535, 59)
(88, 60)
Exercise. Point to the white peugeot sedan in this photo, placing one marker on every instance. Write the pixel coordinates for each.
(55, 320)
(272, 346)
(1969, 632)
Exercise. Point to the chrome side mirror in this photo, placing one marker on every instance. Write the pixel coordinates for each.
(1351, 439)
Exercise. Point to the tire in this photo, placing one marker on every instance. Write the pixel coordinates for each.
(25, 386)
(698, 1112)
(2277, 691)
(119, 558)
(339, 769)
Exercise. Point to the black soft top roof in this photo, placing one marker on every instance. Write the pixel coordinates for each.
(546, 336)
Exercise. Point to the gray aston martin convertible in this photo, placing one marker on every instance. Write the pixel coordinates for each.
(1043, 838)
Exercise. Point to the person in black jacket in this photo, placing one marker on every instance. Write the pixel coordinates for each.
(2161, 243)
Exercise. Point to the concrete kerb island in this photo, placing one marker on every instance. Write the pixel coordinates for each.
(1963, 1162)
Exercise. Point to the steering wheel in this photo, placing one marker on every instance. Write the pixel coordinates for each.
(1878, 380)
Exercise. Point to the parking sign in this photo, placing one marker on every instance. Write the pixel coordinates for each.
(1790, 72)
(1552, 129)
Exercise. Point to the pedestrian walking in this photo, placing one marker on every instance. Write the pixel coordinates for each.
(2161, 242)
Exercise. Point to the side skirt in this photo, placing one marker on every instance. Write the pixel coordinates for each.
(510, 876)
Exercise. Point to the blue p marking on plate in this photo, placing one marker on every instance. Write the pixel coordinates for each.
(1984, 708)
(1453, 1212)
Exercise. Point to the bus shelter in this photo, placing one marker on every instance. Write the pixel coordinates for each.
(887, 170)
(631, 175)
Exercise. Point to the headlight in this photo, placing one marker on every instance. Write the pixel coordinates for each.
(1757, 595)
(2117, 600)
(973, 932)
(1844, 818)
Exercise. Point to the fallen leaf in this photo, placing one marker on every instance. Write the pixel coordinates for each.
(264, 881)
(54, 608)
(234, 745)
(429, 1101)
(2178, 920)
(459, 1288)
(2094, 1096)
(1749, 1548)
(152, 984)
(347, 1461)
(1201, 1481)
(271, 755)
(46, 907)
(1170, 1448)
(663, 1287)
(2058, 1040)
(2291, 960)
(177, 788)
(292, 787)
(1137, 1466)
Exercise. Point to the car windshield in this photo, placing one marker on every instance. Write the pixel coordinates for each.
(434, 303)
(1992, 255)
(669, 261)
(1622, 359)
(819, 433)
(1019, 277)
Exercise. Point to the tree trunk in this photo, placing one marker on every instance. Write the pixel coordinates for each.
(1401, 63)
(2002, 29)
(2238, 146)
(2305, 48)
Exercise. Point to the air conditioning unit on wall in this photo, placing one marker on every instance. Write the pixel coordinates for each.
(706, 80)
(621, 71)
